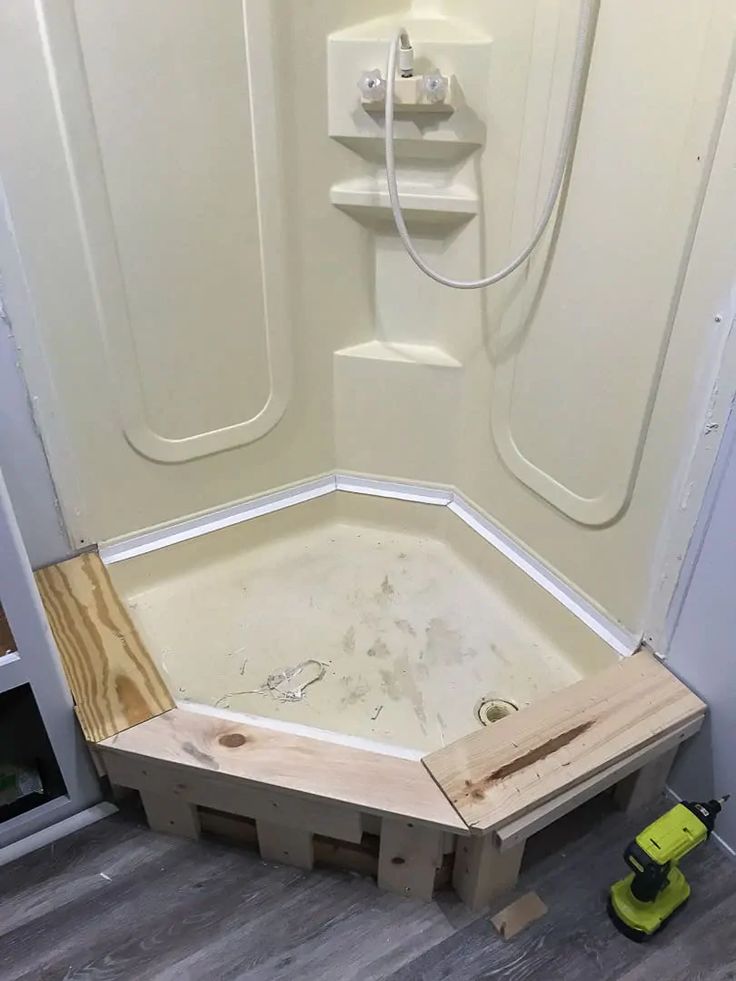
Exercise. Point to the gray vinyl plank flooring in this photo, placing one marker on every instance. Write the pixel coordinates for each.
(116, 901)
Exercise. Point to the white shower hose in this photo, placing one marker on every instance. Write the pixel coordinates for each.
(574, 102)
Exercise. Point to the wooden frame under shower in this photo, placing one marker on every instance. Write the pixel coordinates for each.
(461, 813)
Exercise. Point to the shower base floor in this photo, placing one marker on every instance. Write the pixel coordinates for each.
(411, 618)
(401, 634)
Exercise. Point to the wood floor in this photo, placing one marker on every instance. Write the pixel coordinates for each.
(116, 901)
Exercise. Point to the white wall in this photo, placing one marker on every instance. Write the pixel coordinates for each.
(23, 462)
(703, 646)
(140, 246)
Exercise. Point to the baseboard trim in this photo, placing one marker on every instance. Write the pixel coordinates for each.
(181, 531)
(396, 489)
(612, 633)
(54, 832)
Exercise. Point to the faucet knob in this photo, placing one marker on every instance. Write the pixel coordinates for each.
(372, 86)
(435, 86)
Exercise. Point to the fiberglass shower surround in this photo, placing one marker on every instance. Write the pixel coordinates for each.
(558, 403)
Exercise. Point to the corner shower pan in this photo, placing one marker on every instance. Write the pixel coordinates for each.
(310, 677)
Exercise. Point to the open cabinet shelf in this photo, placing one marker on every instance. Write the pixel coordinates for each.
(29, 772)
(7, 641)
(46, 774)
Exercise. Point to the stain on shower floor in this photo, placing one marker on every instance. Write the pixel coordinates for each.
(369, 632)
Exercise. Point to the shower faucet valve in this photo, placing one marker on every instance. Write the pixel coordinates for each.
(432, 92)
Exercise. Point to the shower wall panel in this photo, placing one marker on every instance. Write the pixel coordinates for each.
(580, 384)
(167, 184)
(222, 305)
(577, 377)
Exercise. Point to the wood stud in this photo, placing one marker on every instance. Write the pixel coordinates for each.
(482, 872)
(290, 846)
(409, 857)
(169, 815)
(646, 784)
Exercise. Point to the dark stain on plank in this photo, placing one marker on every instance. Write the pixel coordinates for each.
(201, 757)
(477, 789)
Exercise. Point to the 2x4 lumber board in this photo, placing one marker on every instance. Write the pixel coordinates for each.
(482, 871)
(360, 857)
(203, 752)
(644, 786)
(169, 815)
(290, 846)
(408, 858)
(233, 796)
(113, 680)
(518, 830)
(505, 770)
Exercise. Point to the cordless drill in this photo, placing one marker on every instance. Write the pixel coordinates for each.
(643, 902)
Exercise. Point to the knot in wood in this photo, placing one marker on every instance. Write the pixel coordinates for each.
(232, 739)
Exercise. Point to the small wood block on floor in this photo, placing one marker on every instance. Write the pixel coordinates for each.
(502, 771)
(114, 682)
(518, 915)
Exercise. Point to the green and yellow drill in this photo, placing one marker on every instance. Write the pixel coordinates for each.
(643, 902)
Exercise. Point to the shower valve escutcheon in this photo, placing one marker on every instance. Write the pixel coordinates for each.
(430, 92)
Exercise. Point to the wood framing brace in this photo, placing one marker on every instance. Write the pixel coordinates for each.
(113, 680)
(229, 766)
(465, 810)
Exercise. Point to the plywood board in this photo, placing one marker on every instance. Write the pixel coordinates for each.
(207, 756)
(114, 682)
(503, 771)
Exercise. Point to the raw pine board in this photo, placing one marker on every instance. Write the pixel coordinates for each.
(214, 762)
(114, 682)
(501, 772)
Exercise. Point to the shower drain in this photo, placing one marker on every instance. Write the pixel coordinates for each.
(491, 709)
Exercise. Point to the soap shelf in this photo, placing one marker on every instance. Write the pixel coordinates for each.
(430, 355)
(366, 199)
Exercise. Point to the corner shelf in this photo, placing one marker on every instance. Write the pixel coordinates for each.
(367, 200)
(424, 354)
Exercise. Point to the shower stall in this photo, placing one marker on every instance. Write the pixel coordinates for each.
(339, 500)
